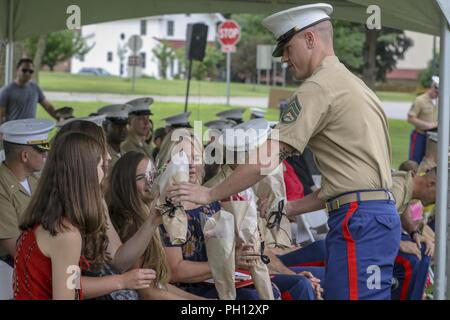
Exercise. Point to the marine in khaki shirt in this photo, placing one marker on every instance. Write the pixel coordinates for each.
(407, 188)
(140, 127)
(425, 109)
(26, 145)
(14, 199)
(402, 189)
(135, 143)
(342, 122)
(115, 127)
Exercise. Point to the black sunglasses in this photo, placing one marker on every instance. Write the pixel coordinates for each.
(30, 71)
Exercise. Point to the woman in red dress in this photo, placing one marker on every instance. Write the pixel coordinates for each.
(63, 223)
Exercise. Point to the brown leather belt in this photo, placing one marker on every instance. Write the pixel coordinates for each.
(339, 201)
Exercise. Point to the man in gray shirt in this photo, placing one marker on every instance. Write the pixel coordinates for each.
(19, 99)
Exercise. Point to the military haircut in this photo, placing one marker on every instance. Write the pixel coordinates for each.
(13, 150)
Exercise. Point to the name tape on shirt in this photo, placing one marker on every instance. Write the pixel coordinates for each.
(292, 111)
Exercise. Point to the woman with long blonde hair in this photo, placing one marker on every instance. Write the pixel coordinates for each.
(127, 198)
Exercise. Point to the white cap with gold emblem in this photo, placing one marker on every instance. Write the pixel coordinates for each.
(285, 24)
(30, 132)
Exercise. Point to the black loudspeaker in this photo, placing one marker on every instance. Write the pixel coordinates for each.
(196, 36)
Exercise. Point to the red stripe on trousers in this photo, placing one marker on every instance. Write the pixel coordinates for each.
(351, 254)
(286, 296)
(408, 274)
(309, 264)
(413, 145)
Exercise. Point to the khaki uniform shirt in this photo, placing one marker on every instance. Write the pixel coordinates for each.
(425, 164)
(14, 199)
(114, 157)
(133, 143)
(424, 109)
(342, 122)
(402, 188)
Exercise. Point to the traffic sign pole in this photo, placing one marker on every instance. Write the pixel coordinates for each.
(229, 35)
(135, 44)
(228, 76)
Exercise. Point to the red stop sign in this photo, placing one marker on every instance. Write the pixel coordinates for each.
(229, 33)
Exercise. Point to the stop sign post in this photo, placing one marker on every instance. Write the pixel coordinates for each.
(229, 35)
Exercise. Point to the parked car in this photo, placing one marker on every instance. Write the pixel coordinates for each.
(94, 71)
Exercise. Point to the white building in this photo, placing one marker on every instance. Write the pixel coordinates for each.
(109, 38)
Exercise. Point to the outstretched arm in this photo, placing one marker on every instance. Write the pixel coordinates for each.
(262, 161)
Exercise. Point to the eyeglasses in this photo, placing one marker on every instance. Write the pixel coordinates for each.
(30, 71)
(149, 175)
(40, 149)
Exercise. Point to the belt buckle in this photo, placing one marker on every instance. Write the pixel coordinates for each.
(329, 205)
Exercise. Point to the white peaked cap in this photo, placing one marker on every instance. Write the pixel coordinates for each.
(285, 24)
(27, 131)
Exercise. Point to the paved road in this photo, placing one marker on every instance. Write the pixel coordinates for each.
(394, 110)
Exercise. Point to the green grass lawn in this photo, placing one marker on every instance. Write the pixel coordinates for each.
(399, 129)
(59, 81)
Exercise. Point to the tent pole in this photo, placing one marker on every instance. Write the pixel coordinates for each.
(9, 56)
(442, 178)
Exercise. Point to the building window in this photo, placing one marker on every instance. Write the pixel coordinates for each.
(170, 27)
(172, 71)
(122, 36)
(143, 27)
(143, 57)
(109, 57)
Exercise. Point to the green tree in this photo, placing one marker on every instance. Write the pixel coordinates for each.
(391, 47)
(431, 70)
(211, 64)
(59, 47)
(210, 67)
(348, 44)
(252, 34)
(165, 55)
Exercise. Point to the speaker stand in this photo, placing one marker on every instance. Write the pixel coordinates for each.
(188, 85)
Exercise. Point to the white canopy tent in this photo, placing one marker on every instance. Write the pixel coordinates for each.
(22, 18)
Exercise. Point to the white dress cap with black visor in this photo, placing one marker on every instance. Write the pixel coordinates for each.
(96, 119)
(178, 120)
(257, 112)
(116, 113)
(140, 106)
(232, 114)
(28, 132)
(285, 24)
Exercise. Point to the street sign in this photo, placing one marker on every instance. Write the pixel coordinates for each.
(135, 43)
(229, 35)
(264, 57)
(134, 61)
(226, 49)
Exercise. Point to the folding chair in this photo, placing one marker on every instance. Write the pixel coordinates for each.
(312, 226)
(6, 277)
